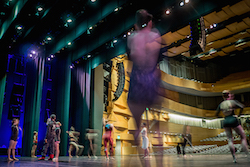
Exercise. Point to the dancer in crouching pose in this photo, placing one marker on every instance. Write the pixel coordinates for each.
(49, 141)
(231, 122)
(13, 139)
(73, 142)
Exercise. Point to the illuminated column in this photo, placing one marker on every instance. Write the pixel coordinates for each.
(98, 103)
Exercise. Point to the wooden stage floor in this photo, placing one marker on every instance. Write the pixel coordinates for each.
(222, 160)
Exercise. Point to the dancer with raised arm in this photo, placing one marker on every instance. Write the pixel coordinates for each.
(228, 107)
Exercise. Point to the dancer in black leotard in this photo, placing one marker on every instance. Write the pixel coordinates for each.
(13, 139)
(231, 122)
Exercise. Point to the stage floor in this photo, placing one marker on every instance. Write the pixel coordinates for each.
(224, 160)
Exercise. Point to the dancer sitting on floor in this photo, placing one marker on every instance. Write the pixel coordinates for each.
(92, 136)
(57, 141)
(49, 141)
(231, 122)
(34, 144)
(73, 142)
(107, 137)
(13, 139)
(145, 140)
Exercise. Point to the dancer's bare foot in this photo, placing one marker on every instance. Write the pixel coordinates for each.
(15, 159)
(10, 159)
(70, 156)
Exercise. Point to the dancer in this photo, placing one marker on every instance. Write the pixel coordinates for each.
(57, 141)
(73, 142)
(92, 136)
(13, 139)
(145, 140)
(187, 138)
(49, 141)
(178, 149)
(34, 144)
(143, 50)
(230, 122)
(107, 137)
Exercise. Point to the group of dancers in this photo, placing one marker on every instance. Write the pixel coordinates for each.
(143, 50)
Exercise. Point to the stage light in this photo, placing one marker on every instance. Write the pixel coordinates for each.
(215, 25)
(129, 33)
(116, 9)
(33, 52)
(181, 3)
(71, 66)
(211, 26)
(69, 20)
(89, 56)
(124, 36)
(69, 43)
(186, 1)
(168, 12)
(31, 55)
(90, 27)
(49, 38)
(48, 59)
(93, 0)
(52, 56)
(19, 27)
(115, 41)
(39, 9)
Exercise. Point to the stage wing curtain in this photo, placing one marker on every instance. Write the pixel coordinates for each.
(80, 100)
(33, 96)
(60, 102)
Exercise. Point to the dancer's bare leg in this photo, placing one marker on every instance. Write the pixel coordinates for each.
(14, 152)
(137, 110)
(71, 147)
(230, 142)
(57, 150)
(239, 130)
(9, 150)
